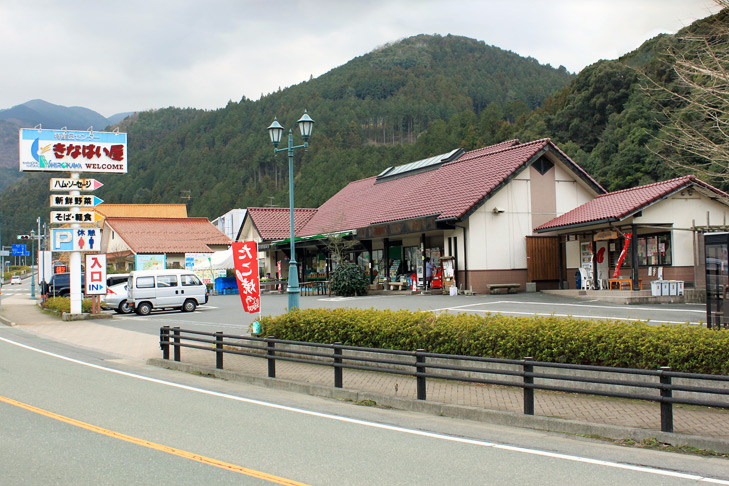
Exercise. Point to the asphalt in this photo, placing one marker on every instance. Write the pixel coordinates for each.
(700, 427)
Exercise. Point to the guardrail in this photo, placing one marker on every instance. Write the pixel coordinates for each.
(590, 380)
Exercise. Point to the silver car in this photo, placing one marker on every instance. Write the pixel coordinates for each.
(116, 299)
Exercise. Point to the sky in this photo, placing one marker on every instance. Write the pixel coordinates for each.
(115, 57)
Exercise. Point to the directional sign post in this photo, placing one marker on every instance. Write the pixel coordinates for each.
(85, 185)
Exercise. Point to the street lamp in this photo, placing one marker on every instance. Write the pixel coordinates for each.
(306, 125)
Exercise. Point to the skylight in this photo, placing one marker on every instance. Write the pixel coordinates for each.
(420, 165)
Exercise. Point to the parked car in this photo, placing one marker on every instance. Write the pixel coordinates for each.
(166, 289)
(15, 279)
(60, 285)
(116, 278)
(116, 299)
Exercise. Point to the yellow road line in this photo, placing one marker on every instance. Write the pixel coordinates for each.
(152, 445)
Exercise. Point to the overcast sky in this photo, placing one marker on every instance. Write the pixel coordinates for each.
(119, 56)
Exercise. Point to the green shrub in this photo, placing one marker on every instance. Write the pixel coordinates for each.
(63, 304)
(349, 279)
(563, 340)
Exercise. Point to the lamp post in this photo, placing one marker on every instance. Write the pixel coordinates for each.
(306, 125)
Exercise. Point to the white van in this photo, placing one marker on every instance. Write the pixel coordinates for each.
(165, 289)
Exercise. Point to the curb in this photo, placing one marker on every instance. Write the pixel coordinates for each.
(497, 417)
(7, 322)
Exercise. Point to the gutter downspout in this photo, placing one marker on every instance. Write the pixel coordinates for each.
(465, 257)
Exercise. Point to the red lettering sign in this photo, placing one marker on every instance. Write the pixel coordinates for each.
(245, 260)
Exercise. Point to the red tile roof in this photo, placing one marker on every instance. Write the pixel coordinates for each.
(450, 191)
(168, 235)
(616, 206)
(275, 223)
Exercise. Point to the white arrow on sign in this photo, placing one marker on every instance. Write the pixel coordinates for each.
(60, 217)
(75, 184)
(67, 201)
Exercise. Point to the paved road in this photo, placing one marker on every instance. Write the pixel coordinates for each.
(98, 419)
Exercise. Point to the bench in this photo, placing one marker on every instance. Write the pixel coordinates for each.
(508, 287)
(399, 285)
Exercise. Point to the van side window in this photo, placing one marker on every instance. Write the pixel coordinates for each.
(145, 282)
(190, 280)
(166, 281)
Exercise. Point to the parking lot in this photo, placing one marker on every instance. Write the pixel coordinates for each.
(225, 312)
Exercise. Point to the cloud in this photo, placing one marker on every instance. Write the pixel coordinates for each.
(136, 55)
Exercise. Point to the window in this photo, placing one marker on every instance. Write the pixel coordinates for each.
(190, 280)
(145, 282)
(164, 281)
(654, 250)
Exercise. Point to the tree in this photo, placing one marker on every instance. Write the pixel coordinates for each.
(692, 92)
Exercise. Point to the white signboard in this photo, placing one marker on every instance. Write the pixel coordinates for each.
(67, 201)
(45, 265)
(96, 274)
(74, 184)
(65, 217)
(72, 151)
(75, 239)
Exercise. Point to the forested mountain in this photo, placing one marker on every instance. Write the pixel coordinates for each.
(419, 97)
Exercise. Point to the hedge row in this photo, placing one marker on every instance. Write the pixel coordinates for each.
(554, 339)
(63, 304)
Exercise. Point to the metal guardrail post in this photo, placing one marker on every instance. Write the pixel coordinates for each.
(338, 372)
(164, 341)
(420, 368)
(666, 407)
(219, 350)
(176, 341)
(527, 369)
(271, 357)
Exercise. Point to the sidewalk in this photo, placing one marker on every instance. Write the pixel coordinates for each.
(699, 427)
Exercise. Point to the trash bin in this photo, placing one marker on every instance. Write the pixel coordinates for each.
(578, 280)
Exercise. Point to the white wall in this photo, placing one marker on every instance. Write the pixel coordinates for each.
(569, 192)
(682, 211)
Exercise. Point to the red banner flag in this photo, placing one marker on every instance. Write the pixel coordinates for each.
(245, 259)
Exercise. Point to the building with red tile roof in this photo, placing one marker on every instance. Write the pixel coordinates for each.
(473, 209)
(665, 220)
(123, 238)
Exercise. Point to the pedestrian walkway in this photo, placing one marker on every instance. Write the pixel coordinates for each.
(703, 422)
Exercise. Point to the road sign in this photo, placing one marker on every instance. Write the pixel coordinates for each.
(60, 217)
(67, 201)
(75, 239)
(75, 184)
(4, 253)
(96, 274)
(19, 250)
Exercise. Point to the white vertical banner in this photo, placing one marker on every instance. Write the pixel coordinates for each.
(96, 274)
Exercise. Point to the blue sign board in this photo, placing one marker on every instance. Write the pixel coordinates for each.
(19, 250)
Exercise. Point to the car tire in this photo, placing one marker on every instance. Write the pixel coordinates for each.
(144, 309)
(189, 306)
(124, 307)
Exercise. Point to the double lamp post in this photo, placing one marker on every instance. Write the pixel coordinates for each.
(306, 125)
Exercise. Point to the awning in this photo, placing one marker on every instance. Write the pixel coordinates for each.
(313, 237)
